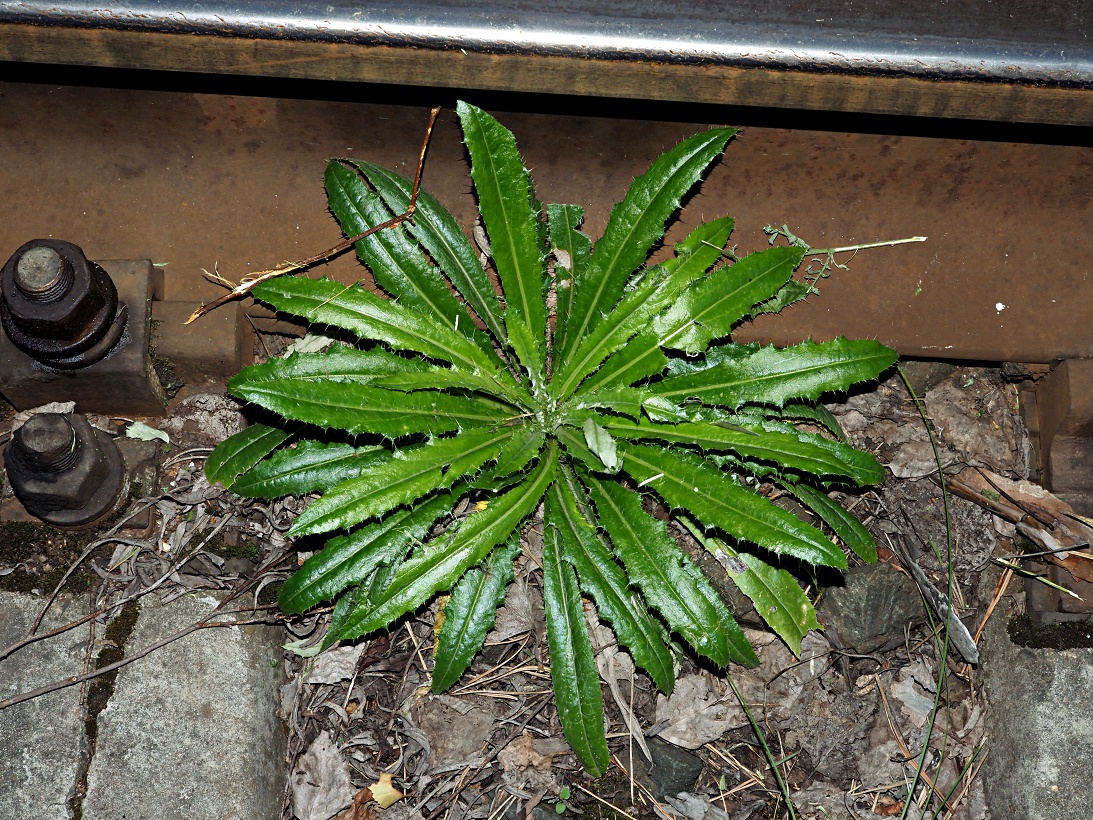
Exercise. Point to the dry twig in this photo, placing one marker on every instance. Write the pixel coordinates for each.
(252, 280)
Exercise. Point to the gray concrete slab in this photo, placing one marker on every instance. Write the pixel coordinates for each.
(41, 740)
(191, 731)
(1040, 729)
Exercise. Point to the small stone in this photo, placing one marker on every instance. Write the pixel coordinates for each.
(872, 610)
(672, 771)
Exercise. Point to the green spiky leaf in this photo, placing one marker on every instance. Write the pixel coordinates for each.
(774, 376)
(397, 263)
(235, 455)
(777, 596)
(308, 467)
(690, 483)
(849, 529)
(572, 664)
(470, 614)
(414, 472)
(605, 581)
(439, 566)
(440, 235)
(635, 225)
(349, 559)
(505, 202)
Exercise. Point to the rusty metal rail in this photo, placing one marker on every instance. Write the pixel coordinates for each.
(194, 179)
(1010, 60)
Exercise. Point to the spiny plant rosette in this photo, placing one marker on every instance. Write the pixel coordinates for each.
(590, 379)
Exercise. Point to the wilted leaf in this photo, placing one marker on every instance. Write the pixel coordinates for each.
(383, 792)
(320, 781)
(142, 432)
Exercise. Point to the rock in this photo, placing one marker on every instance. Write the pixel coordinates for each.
(923, 375)
(202, 420)
(974, 416)
(672, 771)
(872, 610)
(42, 747)
(1040, 728)
(191, 729)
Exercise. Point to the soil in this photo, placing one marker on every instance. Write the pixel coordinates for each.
(845, 725)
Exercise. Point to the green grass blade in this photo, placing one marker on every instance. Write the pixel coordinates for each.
(470, 614)
(439, 233)
(846, 526)
(572, 665)
(238, 453)
(784, 448)
(438, 566)
(309, 466)
(504, 200)
(605, 581)
(371, 317)
(416, 472)
(635, 225)
(777, 596)
(670, 582)
(349, 559)
(569, 244)
(655, 292)
(394, 257)
(714, 498)
(774, 376)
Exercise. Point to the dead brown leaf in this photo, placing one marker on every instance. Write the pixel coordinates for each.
(360, 810)
(320, 781)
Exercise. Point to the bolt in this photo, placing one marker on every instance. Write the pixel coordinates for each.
(42, 274)
(48, 443)
(64, 471)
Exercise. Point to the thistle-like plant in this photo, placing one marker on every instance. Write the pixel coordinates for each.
(586, 380)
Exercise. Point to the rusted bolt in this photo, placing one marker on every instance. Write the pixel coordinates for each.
(64, 471)
(58, 307)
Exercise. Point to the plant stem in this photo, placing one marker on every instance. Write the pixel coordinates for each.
(943, 664)
(864, 246)
(766, 749)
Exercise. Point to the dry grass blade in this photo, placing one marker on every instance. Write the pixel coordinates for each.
(898, 737)
(600, 800)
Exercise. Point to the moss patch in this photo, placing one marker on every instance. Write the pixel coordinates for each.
(118, 632)
(1072, 635)
(45, 554)
(221, 546)
(165, 369)
(99, 691)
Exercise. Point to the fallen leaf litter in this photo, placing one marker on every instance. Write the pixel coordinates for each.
(846, 721)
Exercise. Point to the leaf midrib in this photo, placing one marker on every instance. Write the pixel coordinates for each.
(718, 503)
(518, 271)
(801, 371)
